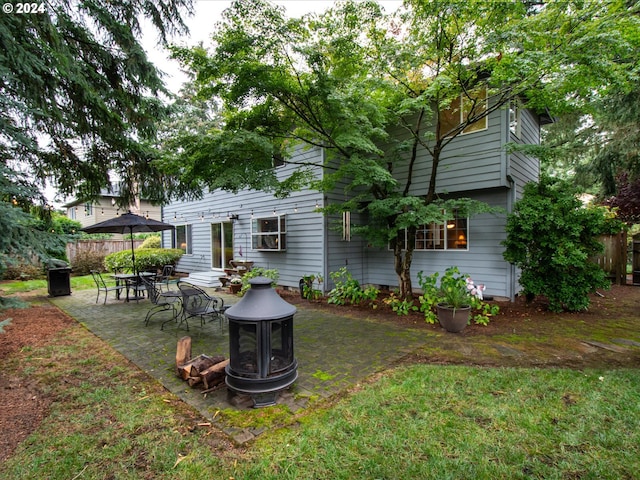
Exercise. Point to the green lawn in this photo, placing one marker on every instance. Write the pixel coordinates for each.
(18, 286)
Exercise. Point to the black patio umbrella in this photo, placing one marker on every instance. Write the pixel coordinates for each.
(128, 223)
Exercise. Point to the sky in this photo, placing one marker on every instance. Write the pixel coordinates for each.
(207, 14)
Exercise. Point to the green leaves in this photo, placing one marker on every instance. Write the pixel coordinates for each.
(551, 236)
(79, 95)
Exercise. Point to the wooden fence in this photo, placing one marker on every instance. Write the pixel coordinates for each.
(614, 258)
(104, 247)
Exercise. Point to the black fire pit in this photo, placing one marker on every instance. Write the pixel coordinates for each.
(261, 361)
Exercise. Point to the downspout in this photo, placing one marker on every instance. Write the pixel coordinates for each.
(162, 219)
(511, 273)
(325, 233)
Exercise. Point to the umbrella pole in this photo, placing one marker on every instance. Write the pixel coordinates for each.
(133, 254)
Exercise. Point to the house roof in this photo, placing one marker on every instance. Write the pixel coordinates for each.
(114, 192)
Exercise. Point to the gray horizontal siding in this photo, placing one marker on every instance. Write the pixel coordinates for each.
(483, 261)
(472, 161)
(305, 227)
(524, 168)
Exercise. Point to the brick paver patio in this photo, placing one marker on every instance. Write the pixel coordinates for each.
(333, 352)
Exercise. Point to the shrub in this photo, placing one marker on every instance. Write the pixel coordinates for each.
(23, 271)
(402, 306)
(87, 261)
(258, 272)
(551, 237)
(348, 289)
(147, 259)
(307, 285)
(153, 241)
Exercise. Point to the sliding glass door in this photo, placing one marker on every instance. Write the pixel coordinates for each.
(221, 244)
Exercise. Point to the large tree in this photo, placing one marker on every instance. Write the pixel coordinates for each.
(78, 96)
(346, 79)
(78, 106)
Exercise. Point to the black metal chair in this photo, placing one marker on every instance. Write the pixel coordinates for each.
(138, 288)
(162, 302)
(165, 278)
(103, 287)
(197, 303)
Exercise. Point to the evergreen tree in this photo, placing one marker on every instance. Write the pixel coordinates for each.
(78, 104)
(78, 96)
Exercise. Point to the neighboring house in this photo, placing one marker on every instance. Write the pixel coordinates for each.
(104, 208)
(290, 236)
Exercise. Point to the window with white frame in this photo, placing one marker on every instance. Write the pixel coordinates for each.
(182, 238)
(461, 109)
(515, 121)
(452, 235)
(269, 233)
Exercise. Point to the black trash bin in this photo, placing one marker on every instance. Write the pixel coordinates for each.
(58, 281)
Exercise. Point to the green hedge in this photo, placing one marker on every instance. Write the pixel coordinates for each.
(147, 259)
(153, 241)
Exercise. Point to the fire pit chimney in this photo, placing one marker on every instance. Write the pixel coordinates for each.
(261, 361)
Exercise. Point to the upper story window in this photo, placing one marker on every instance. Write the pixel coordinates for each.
(182, 238)
(88, 209)
(452, 235)
(269, 233)
(515, 120)
(467, 105)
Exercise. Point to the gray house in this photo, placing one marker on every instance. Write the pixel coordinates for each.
(290, 236)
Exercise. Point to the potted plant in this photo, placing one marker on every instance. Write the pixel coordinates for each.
(235, 284)
(455, 299)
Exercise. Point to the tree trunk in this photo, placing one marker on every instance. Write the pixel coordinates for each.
(402, 263)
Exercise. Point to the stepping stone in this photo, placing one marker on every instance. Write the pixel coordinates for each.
(607, 346)
(507, 351)
(625, 341)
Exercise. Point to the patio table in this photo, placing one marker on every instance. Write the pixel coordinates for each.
(131, 280)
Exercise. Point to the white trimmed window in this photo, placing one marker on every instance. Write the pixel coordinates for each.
(182, 239)
(269, 233)
(452, 235)
(461, 109)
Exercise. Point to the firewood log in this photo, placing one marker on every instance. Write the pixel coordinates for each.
(194, 366)
(183, 353)
(214, 374)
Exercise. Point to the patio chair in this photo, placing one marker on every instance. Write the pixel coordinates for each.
(137, 287)
(164, 279)
(197, 303)
(162, 301)
(103, 287)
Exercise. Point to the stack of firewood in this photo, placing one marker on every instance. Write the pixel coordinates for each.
(203, 370)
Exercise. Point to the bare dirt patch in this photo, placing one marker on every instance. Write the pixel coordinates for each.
(23, 405)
